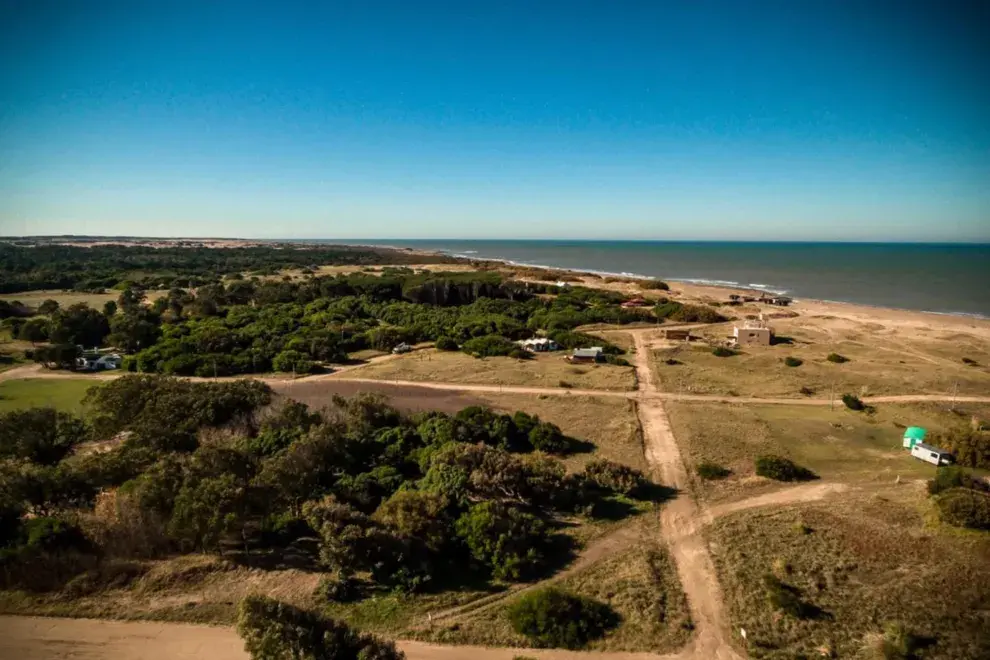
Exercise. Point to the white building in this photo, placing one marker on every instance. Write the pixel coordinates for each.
(931, 454)
(539, 344)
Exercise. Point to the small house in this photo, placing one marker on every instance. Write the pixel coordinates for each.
(539, 345)
(913, 435)
(587, 355)
(752, 334)
(780, 301)
(931, 454)
(677, 335)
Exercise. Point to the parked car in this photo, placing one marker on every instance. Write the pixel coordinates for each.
(402, 348)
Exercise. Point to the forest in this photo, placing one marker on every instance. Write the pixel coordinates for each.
(99, 267)
(375, 499)
(254, 326)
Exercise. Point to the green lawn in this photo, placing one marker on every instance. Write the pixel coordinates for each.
(63, 394)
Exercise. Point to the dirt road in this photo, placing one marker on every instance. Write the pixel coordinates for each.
(795, 495)
(681, 521)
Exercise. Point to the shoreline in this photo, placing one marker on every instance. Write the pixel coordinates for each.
(715, 286)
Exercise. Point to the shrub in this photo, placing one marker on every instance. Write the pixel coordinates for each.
(696, 314)
(963, 507)
(898, 643)
(793, 361)
(446, 344)
(853, 402)
(617, 361)
(613, 476)
(722, 351)
(338, 589)
(971, 362)
(969, 447)
(273, 630)
(782, 469)
(653, 285)
(807, 391)
(549, 438)
(953, 476)
(490, 346)
(565, 384)
(836, 358)
(711, 471)
(786, 598)
(553, 618)
(671, 361)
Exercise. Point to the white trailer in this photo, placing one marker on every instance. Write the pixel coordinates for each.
(931, 454)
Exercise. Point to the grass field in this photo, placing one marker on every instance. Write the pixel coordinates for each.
(455, 367)
(838, 445)
(610, 424)
(67, 298)
(760, 371)
(60, 393)
(864, 562)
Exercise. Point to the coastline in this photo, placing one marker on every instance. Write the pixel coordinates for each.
(696, 286)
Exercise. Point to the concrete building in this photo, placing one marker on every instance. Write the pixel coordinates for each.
(753, 333)
(585, 355)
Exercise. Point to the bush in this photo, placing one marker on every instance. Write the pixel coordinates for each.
(553, 618)
(653, 285)
(807, 391)
(786, 598)
(711, 471)
(549, 438)
(491, 346)
(969, 447)
(853, 402)
(953, 476)
(446, 344)
(273, 630)
(782, 469)
(338, 589)
(793, 361)
(835, 357)
(615, 477)
(964, 507)
(722, 351)
(971, 362)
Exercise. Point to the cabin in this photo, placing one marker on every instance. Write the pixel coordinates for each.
(539, 345)
(781, 301)
(677, 335)
(587, 355)
(913, 435)
(931, 454)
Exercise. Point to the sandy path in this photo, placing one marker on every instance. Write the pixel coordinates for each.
(645, 376)
(612, 542)
(38, 638)
(794, 495)
(681, 522)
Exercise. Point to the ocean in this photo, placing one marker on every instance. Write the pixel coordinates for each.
(944, 278)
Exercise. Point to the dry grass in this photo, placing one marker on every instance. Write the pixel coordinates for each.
(455, 367)
(640, 583)
(838, 445)
(882, 360)
(60, 393)
(609, 423)
(67, 298)
(866, 562)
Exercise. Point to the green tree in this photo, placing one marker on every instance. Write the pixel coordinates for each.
(109, 309)
(207, 509)
(40, 435)
(503, 538)
(416, 515)
(34, 330)
(49, 306)
(78, 324)
(292, 361)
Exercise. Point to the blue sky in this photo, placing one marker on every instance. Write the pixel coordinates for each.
(805, 120)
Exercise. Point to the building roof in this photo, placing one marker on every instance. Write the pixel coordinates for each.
(588, 352)
(931, 448)
(915, 433)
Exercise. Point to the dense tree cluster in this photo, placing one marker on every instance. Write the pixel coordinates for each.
(392, 500)
(99, 267)
(251, 327)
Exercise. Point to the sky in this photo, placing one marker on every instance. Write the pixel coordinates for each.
(731, 120)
